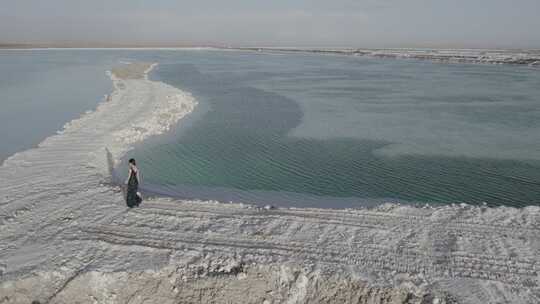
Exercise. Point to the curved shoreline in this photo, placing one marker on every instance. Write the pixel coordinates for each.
(66, 235)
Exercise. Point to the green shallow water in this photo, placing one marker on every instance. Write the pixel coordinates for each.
(343, 132)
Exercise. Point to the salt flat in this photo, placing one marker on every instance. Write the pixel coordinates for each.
(66, 235)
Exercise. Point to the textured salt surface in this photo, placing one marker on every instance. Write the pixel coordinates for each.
(67, 237)
(521, 57)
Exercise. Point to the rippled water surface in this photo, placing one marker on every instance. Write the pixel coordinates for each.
(304, 130)
(331, 131)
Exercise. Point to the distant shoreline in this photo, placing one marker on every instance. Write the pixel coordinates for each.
(9, 45)
(523, 57)
(96, 46)
(488, 56)
(35, 47)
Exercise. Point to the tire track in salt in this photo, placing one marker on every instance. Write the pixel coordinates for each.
(377, 258)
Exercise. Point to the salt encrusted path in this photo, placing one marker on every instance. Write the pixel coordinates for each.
(67, 237)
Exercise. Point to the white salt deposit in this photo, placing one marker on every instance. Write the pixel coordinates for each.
(66, 235)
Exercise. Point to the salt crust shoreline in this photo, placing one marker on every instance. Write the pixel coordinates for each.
(529, 58)
(67, 237)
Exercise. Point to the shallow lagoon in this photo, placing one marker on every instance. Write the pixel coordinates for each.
(42, 90)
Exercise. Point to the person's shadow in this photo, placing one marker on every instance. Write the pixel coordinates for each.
(114, 179)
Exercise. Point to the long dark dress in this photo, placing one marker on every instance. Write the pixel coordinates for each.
(132, 199)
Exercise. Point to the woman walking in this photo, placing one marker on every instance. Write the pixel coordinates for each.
(133, 197)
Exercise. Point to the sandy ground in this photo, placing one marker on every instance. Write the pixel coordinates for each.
(66, 235)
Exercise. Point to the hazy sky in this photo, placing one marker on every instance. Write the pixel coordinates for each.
(349, 23)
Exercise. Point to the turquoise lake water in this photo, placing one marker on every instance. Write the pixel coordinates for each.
(304, 129)
(332, 131)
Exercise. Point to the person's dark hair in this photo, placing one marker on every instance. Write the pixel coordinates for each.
(132, 161)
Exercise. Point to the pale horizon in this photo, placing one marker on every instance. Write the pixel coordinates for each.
(483, 24)
(97, 45)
